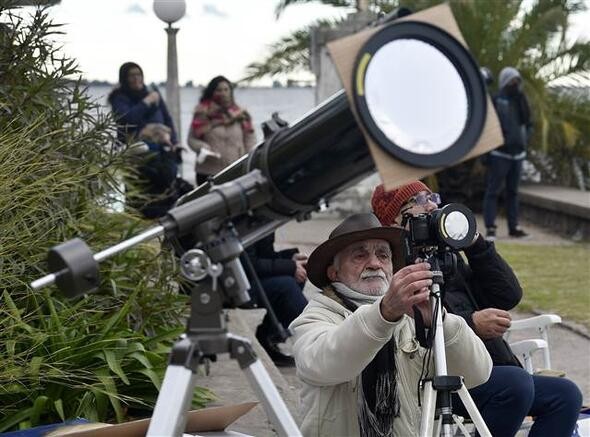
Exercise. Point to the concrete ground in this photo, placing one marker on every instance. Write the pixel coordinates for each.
(570, 351)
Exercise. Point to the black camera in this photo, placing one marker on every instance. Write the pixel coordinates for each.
(439, 234)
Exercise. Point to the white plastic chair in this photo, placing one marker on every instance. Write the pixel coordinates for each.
(524, 349)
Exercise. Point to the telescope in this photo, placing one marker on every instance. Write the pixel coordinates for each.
(418, 95)
(426, 109)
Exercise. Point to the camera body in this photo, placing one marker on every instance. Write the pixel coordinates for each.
(435, 236)
(424, 229)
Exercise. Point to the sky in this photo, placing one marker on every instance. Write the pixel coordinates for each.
(215, 36)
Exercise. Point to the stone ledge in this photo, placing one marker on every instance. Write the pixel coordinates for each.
(558, 199)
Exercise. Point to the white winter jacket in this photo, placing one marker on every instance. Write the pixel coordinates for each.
(333, 346)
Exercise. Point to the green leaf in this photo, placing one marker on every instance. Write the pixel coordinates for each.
(111, 391)
(153, 376)
(59, 407)
(38, 409)
(114, 365)
(142, 359)
(15, 419)
(34, 366)
(118, 316)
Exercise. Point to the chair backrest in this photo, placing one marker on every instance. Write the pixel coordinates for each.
(525, 348)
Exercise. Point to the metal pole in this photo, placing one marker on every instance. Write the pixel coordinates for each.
(172, 89)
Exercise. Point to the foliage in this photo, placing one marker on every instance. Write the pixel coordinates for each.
(289, 54)
(99, 356)
(531, 36)
(549, 286)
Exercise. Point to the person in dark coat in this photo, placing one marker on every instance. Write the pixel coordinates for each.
(504, 165)
(482, 292)
(143, 118)
(135, 106)
(282, 276)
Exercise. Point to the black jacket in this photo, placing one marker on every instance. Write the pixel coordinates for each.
(268, 262)
(515, 120)
(486, 282)
(133, 114)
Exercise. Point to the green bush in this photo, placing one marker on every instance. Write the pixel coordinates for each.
(100, 356)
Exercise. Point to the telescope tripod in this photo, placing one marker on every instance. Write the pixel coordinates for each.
(437, 391)
(207, 336)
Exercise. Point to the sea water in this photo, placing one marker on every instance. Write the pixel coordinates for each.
(290, 103)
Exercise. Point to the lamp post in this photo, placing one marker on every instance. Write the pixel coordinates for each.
(171, 11)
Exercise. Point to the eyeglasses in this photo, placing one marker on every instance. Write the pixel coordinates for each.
(422, 199)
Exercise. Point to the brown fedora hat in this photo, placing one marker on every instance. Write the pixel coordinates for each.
(357, 227)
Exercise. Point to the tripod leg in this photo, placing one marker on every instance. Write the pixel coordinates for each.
(274, 405)
(459, 422)
(428, 410)
(173, 402)
(266, 391)
(480, 425)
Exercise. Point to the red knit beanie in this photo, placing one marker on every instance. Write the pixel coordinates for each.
(387, 204)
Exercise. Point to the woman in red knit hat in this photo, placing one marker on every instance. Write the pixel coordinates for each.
(413, 198)
(482, 292)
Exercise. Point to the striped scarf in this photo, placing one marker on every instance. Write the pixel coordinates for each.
(209, 110)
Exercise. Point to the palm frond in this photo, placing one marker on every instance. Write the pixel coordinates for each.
(283, 4)
(290, 53)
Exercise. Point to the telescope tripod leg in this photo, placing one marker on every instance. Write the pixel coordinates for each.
(173, 402)
(266, 391)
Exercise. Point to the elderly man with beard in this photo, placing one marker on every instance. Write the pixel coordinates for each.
(482, 291)
(354, 344)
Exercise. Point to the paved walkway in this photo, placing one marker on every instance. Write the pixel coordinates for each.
(570, 351)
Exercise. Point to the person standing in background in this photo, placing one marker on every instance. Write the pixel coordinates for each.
(221, 131)
(504, 165)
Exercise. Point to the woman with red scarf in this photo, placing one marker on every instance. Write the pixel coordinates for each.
(221, 131)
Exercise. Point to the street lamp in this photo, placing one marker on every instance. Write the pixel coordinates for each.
(171, 11)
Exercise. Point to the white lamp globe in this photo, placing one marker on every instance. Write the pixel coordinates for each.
(169, 11)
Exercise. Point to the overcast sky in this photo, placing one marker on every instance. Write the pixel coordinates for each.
(215, 37)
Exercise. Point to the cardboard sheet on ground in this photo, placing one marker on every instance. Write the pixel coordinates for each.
(206, 422)
(394, 172)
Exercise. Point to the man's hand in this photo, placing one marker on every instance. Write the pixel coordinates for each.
(408, 287)
(300, 272)
(152, 98)
(491, 322)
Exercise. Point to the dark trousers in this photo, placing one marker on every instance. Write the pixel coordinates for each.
(511, 394)
(286, 299)
(502, 171)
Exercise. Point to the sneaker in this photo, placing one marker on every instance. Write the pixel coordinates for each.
(491, 234)
(279, 358)
(518, 233)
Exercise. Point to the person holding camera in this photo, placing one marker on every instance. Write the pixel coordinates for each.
(354, 344)
(482, 292)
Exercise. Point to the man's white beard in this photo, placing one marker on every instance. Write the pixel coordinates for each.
(375, 289)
